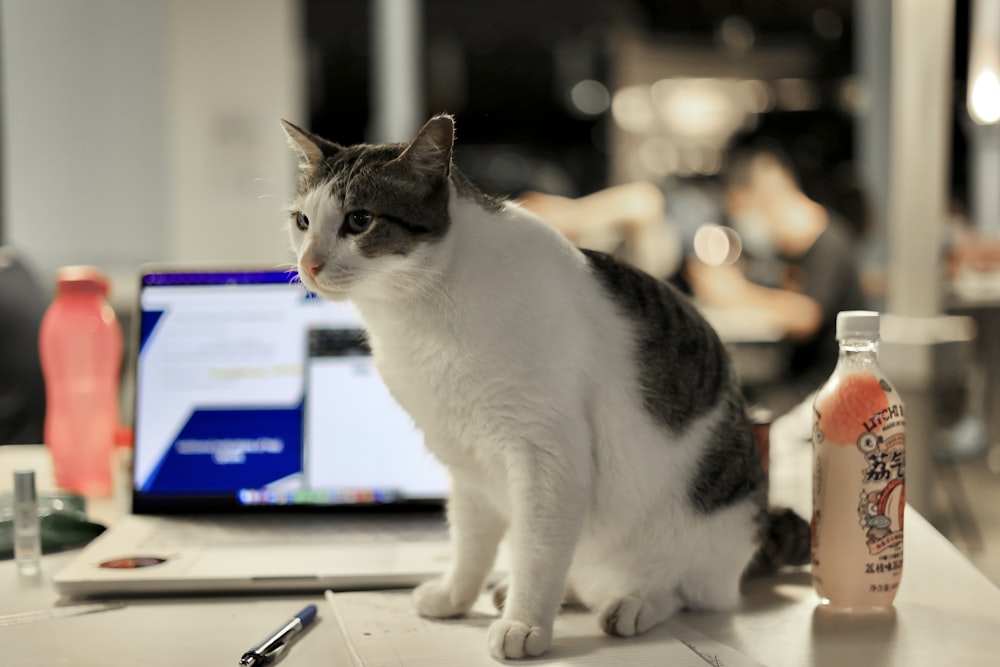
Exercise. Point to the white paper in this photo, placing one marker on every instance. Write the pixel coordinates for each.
(382, 629)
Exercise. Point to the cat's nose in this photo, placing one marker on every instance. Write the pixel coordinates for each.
(312, 267)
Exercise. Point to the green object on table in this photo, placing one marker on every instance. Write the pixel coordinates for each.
(62, 518)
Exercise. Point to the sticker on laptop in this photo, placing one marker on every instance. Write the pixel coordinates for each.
(132, 563)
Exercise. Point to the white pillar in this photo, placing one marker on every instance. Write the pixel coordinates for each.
(873, 55)
(919, 153)
(922, 352)
(984, 175)
(983, 104)
(396, 76)
(234, 71)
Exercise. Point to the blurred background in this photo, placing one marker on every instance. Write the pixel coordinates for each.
(155, 121)
(137, 131)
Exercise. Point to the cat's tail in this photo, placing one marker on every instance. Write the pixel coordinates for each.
(785, 540)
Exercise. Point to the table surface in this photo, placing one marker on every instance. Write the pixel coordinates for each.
(946, 612)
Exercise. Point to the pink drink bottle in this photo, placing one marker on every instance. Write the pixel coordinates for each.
(859, 441)
(80, 344)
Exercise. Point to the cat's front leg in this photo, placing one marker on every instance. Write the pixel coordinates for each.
(548, 502)
(476, 529)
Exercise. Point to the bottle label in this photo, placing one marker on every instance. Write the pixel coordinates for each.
(884, 495)
(859, 489)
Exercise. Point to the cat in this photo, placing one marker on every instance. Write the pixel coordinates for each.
(584, 409)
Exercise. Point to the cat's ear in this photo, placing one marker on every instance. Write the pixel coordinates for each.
(429, 154)
(310, 148)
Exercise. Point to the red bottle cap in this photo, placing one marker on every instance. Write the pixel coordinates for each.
(124, 437)
(82, 279)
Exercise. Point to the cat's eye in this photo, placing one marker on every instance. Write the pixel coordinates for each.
(358, 221)
(301, 221)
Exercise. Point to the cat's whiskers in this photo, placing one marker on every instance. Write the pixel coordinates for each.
(270, 195)
(288, 268)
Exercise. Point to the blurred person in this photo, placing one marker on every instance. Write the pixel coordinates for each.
(22, 388)
(800, 271)
(626, 220)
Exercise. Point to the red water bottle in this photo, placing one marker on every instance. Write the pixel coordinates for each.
(80, 344)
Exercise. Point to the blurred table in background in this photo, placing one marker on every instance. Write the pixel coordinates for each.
(756, 345)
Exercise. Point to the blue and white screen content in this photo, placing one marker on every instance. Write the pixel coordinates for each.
(249, 386)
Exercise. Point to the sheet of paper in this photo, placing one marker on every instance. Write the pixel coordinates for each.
(383, 630)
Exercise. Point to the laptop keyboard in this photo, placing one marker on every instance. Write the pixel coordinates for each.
(249, 531)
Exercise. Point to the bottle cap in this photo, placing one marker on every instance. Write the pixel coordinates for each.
(857, 324)
(125, 437)
(82, 279)
(24, 486)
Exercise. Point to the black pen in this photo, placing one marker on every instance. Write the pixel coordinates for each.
(280, 638)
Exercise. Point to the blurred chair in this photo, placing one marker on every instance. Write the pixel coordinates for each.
(22, 388)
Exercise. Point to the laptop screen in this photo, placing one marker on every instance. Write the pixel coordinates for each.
(252, 392)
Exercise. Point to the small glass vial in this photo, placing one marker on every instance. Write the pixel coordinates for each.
(859, 441)
(27, 535)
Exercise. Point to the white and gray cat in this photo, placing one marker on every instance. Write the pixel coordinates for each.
(584, 409)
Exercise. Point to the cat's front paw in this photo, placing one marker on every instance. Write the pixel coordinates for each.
(627, 617)
(513, 639)
(436, 599)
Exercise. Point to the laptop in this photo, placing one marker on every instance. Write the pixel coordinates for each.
(269, 455)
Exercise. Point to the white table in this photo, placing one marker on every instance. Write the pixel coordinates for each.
(151, 632)
(947, 612)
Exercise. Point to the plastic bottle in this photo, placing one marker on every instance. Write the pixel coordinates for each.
(858, 476)
(80, 344)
